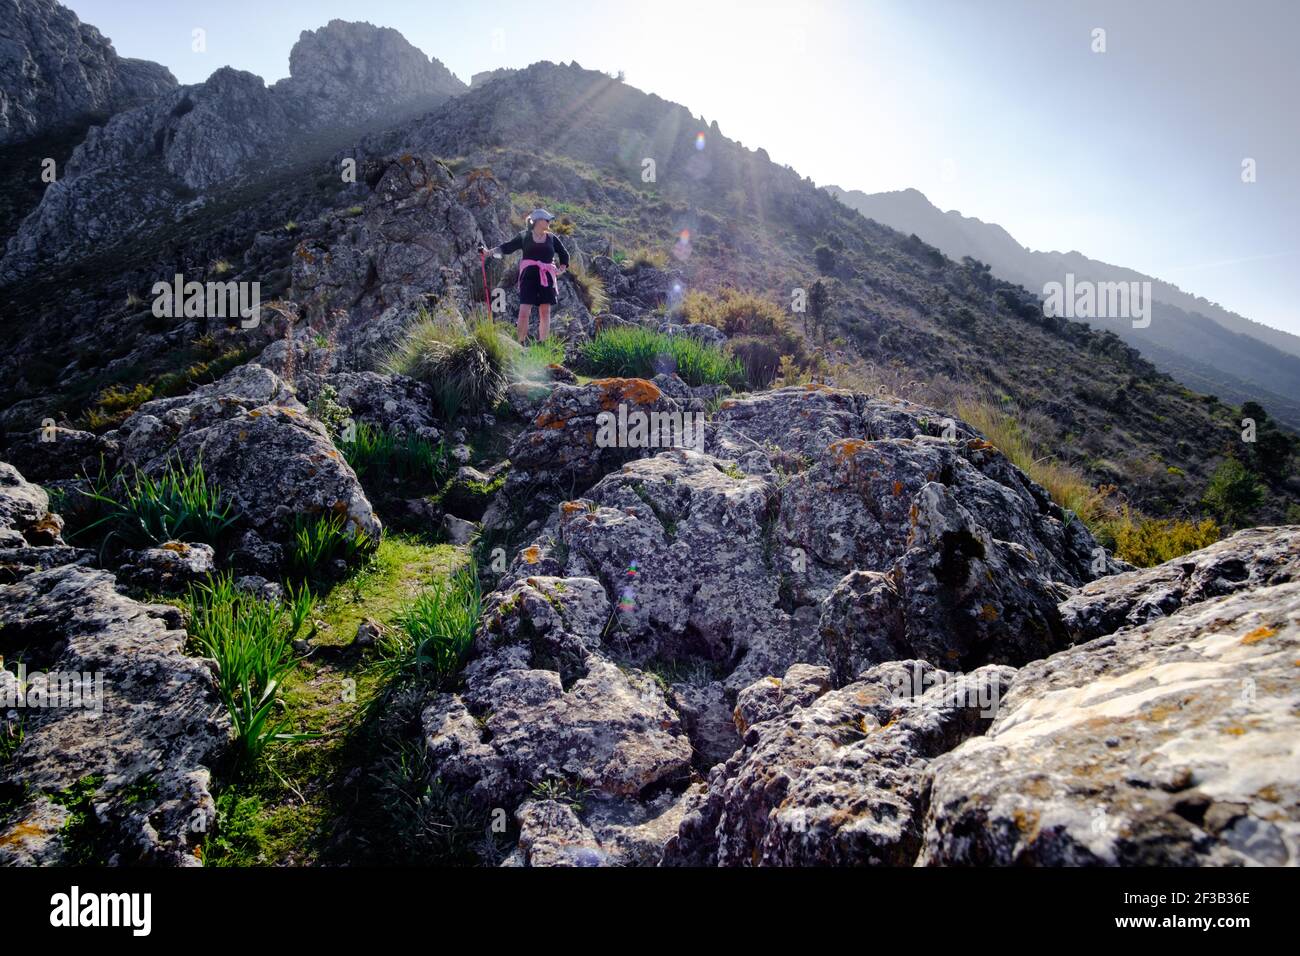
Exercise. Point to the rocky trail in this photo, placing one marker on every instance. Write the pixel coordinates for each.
(680, 666)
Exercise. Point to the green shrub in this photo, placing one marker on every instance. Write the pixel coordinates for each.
(435, 632)
(633, 352)
(252, 642)
(736, 313)
(406, 457)
(179, 505)
(643, 256)
(1233, 493)
(1147, 542)
(467, 373)
(319, 540)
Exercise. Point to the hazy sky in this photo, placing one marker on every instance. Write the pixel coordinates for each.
(999, 109)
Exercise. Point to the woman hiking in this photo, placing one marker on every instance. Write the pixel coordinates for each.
(538, 277)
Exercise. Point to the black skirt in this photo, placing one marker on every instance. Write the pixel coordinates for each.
(531, 290)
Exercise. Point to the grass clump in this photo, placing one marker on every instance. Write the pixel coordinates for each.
(631, 351)
(434, 633)
(591, 290)
(140, 510)
(406, 457)
(319, 540)
(252, 642)
(1067, 485)
(467, 372)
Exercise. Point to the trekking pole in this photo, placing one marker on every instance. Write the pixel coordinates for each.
(482, 264)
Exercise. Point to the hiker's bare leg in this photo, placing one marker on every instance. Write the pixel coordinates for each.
(522, 328)
(543, 322)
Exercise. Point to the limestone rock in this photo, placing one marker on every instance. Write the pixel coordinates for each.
(143, 756)
(1168, 744)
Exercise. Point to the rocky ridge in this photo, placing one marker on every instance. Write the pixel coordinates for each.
(57, 72)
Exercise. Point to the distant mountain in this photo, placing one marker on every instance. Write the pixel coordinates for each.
(1199, 343)
(56, 71)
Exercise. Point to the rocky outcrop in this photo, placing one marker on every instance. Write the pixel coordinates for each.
(487, 76)
(545, 712)
(819, 534)
(1250, 559)
(257, 444)
(147, 162)
(117, 770)
(119, 727)
(351, 72)
(410, 246)
(1168, 744)
(30, 534)
(835, 777)
(57, 72)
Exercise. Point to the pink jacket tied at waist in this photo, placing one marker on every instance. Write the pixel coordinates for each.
(545, 268)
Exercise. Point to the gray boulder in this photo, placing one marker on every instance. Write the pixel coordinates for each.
(131, 753)
(834, 778)
(258, 445)
(1245, 561)
(1167, 744)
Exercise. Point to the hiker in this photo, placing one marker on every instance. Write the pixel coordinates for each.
(538, 277)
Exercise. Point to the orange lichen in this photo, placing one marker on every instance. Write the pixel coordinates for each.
(845, 449)
(547, 420)
(532, 554)
(1263, 632)
(638, 391)
(571, 507)
(21, 832)
(898, 487)
(988, 613)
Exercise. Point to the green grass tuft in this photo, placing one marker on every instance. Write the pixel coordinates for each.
(319, 540)
(407, 457)
(435, 632)
(631, 351)
(252, 642)
(140, 510)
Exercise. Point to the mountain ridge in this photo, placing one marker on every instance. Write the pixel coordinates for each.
(1257, 362)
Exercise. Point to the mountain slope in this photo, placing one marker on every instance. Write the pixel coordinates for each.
(901, 316)
(1202, 345)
